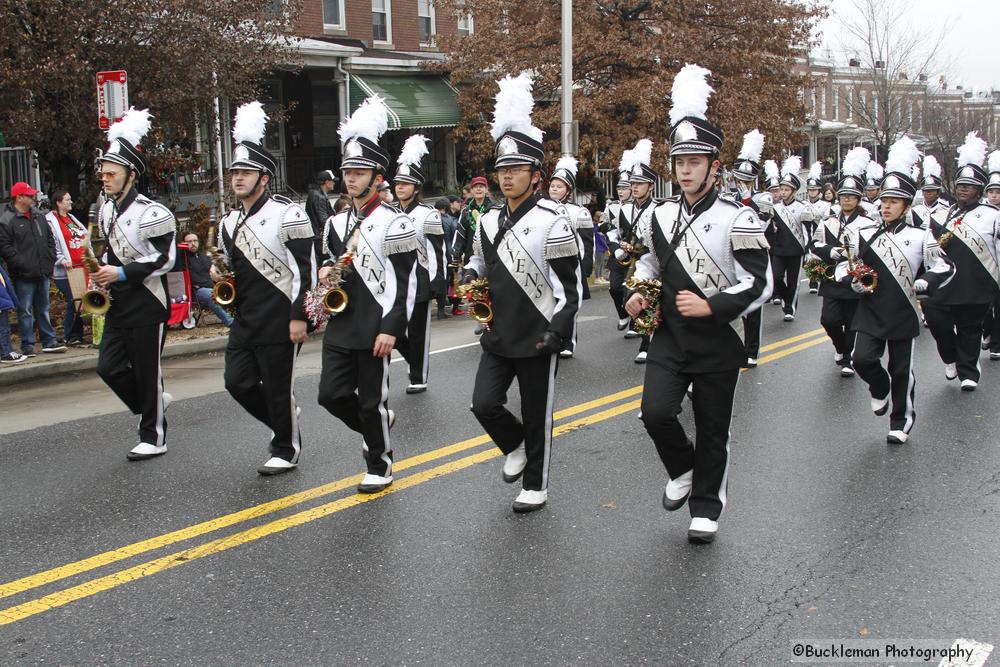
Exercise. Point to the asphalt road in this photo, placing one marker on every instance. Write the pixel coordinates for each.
(192, 559)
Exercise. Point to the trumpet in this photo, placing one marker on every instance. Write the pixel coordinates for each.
(224, 291)
(477, 292)
(335, 301)
(96, 300)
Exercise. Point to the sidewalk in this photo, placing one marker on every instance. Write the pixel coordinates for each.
(180, 343)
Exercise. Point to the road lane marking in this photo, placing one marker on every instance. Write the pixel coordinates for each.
(106, 558)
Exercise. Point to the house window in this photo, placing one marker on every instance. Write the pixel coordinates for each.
(822, 103)
(333, 14)
(836, 104)
(382, 21)
(465, 27)
(425, 22)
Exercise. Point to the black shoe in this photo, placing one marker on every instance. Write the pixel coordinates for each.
(441, 315)
(29, 352)
(480, 330)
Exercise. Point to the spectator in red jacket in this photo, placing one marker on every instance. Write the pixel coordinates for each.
(71, 241)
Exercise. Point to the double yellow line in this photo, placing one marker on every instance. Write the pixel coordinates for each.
(65, 596)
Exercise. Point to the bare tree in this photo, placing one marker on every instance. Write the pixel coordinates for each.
(946, 122)
(894, 61)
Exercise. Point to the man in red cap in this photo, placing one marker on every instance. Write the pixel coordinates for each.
(29, 250)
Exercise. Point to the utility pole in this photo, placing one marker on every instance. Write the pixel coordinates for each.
(568, 126)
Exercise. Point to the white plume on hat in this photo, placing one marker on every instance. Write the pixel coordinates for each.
(993, 161)
(791, 166)
(915, 172)
(514, 104)
(643, 152)
(251, 120)
(856, 161)
(874, 170)
(753, 146)
(369, 121)
(771, 169)
(816, 170)
(567, 162)
(903, 155)
(628, 160)
(973, 151)
(132, 127)
(689, 93)
(931, 166)
(413, 151)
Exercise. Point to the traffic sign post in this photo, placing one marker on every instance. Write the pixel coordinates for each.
(112, 97)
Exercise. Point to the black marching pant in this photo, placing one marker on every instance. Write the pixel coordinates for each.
(958, 333)
(991, 326)
(836, 318)
(536, 379)
(786, 281)
(753, 329)
(260, 378)
(899, 381)
(416, 345)
(708, 456)
(129, 363)
(354, 388)
(616, 278)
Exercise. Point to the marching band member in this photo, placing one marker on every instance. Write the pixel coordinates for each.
(906, 261)
(840, 301)
(710, 255)
(930, 204)
(561, 187)
(789, 236)
(991, 325)
(140, 251)
(873, 182)
(416, 345)
(612, 228)
(269, 244)
(970, 237)
(642, 178)
(820, 209)
(379, 245)
(745, 172)
(527, 249)
(772, 183)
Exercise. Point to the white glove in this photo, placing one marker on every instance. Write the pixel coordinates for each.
(807, 215)
(858, 287)
(920, 286)
(620, 254)
(837, 254)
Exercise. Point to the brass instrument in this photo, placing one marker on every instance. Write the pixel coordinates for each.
(858, 270)
(477, 292)
(651, 290)
(96, 300)
(335, 301)
(224, 291)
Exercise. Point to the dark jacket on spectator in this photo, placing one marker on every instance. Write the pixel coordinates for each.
(26, 243)
(199, 268)
(318, 208)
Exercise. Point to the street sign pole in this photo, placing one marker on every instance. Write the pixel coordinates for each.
(568, 136)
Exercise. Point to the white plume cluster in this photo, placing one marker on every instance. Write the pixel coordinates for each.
(689, 93)
(915, 172)
(816, 170)
(931, 166)
(413, 151)
(643, 152)
(628, 160)
(993, 161)
(369, 121)
(903, 154)
(856, 161)
(251, 120)
(874, 170)
(771, 169)
(973, 151)
(132, 127)
(567, 162)
(514, 104)
(753, 146)
(791, 166)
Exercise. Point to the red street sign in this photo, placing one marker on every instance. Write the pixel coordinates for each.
(112, 97)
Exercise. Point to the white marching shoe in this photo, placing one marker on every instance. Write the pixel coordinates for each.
(896, 437)
(702, 530)
(677, 491)
(374, 483)
(145, 450)
(994, 356)
(969, 385)
(950, 372)
(530, 501)
(631, 333)
(880, 406)
(838, 357)
(622, 323)
(416, 388)
(789, 317)
(640, 358)
(751, 362)
(514, 464)
(276, 466)
(846, 372)
(566, 354)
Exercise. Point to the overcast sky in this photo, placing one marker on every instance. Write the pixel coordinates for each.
(972, 44)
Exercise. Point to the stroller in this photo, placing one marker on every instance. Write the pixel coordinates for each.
(179, 291)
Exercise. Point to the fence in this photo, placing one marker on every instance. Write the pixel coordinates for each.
(17, 164)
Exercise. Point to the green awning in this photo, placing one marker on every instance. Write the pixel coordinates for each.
(414, 101)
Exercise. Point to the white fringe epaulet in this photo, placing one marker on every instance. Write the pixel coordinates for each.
(400, 236)
(746, 232)
(561, 238)
(155, 220)
(295, 224)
